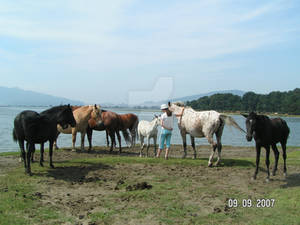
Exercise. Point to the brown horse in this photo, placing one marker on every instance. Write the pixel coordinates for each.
(82, 115)
(130, 121)
(111, 123)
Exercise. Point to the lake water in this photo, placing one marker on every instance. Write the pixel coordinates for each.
(231, 136)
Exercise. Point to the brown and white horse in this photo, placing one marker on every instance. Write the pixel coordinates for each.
(202, 124)
(82, 115)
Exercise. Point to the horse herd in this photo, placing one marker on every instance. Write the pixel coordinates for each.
(38, 128)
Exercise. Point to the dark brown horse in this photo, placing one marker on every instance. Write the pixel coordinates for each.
(267, 132)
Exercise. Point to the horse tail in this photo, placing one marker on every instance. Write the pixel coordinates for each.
(126, 136)
(136, 129)
(14, 134)
(228, 120)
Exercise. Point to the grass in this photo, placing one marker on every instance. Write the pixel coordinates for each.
(178, 196)
(20, 203)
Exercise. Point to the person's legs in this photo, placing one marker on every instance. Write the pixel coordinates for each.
(168, 144)
(161, 144)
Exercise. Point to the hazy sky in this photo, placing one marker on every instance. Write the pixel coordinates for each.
(121, 50)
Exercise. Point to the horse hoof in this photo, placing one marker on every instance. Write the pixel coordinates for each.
(285, 174)
(253, 178)
(267, 180)
(210, 164)
(194, 157)
(52, 166)
(73, 150)
(273, 173)
(20, 160)
(41, 164)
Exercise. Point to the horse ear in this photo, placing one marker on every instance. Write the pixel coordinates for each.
(169, 103)
(155, 116)
(245, 115)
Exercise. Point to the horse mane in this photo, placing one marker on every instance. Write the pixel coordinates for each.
(179, 103)
(55, 109)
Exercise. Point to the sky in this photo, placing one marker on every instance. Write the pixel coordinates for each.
(130, 51)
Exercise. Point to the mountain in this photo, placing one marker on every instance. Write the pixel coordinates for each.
(20, 97)
(194, 97)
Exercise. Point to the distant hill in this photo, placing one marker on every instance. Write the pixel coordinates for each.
(194, 97)
(20, 97)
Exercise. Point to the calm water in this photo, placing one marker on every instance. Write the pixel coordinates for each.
(230, 136)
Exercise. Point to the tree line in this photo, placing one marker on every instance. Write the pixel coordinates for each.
(274, 102)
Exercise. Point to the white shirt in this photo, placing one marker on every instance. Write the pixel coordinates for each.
(168, 121)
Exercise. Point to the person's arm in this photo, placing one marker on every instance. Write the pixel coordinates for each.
(162, 125)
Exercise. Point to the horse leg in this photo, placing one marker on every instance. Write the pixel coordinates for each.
(112, 137)
(89, 134)
(193, 146)
(276, 154)
(183, 136)
(42, 155)
(107, 140)
(82, 140)
(142, 145)
(51, 153)
(74, 133)
(32, 152)
(214, 147)
(119, 139)
(268, 162)
(23, 152)
(30, 148)
(55, 142)
(154, 140)
(257, 160)
(219, 144)
(283, 145)
(148, 145)
(132, 133)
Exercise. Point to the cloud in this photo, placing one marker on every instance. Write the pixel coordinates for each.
(92, 38)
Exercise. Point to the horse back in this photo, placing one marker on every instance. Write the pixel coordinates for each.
(128, 120)
(33, 127)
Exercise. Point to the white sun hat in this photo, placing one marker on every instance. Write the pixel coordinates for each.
(164, 106)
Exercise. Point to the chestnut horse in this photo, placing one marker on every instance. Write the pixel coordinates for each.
(82, 115)
(130, 121)
(112, 124)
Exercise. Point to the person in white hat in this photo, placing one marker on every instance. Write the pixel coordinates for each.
(167, 121)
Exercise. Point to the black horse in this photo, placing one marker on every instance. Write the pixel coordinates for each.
(38, 128)
(267, 132)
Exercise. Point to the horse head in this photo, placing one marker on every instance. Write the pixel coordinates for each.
(251, 121)
(157, 119)
(175, 106)
(66, 117)
(96, 113)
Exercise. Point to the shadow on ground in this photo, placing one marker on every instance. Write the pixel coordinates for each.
(75, 173)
